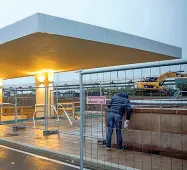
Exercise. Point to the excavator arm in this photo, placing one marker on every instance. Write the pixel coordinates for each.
(167, 75)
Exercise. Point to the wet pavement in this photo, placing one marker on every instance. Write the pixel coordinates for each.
(70, 143)
(16, 160)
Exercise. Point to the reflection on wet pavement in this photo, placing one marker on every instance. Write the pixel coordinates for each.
(13, 160)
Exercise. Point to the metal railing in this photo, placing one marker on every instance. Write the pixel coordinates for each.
(43, 105)
(59, 104)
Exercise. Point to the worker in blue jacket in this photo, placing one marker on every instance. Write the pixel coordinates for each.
(118, 105)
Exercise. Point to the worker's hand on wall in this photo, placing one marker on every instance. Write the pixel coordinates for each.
(126, 123)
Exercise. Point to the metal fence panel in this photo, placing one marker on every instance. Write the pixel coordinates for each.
(156, 134)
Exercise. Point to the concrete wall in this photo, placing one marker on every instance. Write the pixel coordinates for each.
(157, 130)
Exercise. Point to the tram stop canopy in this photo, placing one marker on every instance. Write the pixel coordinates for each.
(43, 42)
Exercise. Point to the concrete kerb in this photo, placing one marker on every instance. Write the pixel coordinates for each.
(62, 156)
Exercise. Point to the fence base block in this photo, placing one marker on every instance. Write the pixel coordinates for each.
(19, 127)
(102, 142)
(50, 132)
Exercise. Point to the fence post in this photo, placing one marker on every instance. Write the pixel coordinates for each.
(16, 108)
(46, 109)
(102, 131)
(56, 95)
(81, 122)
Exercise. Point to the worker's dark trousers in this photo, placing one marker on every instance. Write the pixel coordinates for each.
(114, 119)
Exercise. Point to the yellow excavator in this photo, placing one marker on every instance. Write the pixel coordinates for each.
(156, 83)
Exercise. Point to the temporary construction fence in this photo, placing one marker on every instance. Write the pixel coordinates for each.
(158, 122)
(156, 136)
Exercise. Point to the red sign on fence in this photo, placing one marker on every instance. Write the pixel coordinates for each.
(96, 100)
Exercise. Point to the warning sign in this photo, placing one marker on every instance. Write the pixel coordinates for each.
(96, 100)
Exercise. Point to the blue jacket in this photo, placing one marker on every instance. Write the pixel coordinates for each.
(120, 104)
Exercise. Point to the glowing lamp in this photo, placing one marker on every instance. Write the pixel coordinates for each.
(1, 82)
(44, 78)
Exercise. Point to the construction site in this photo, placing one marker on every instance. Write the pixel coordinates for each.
(67, 121)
